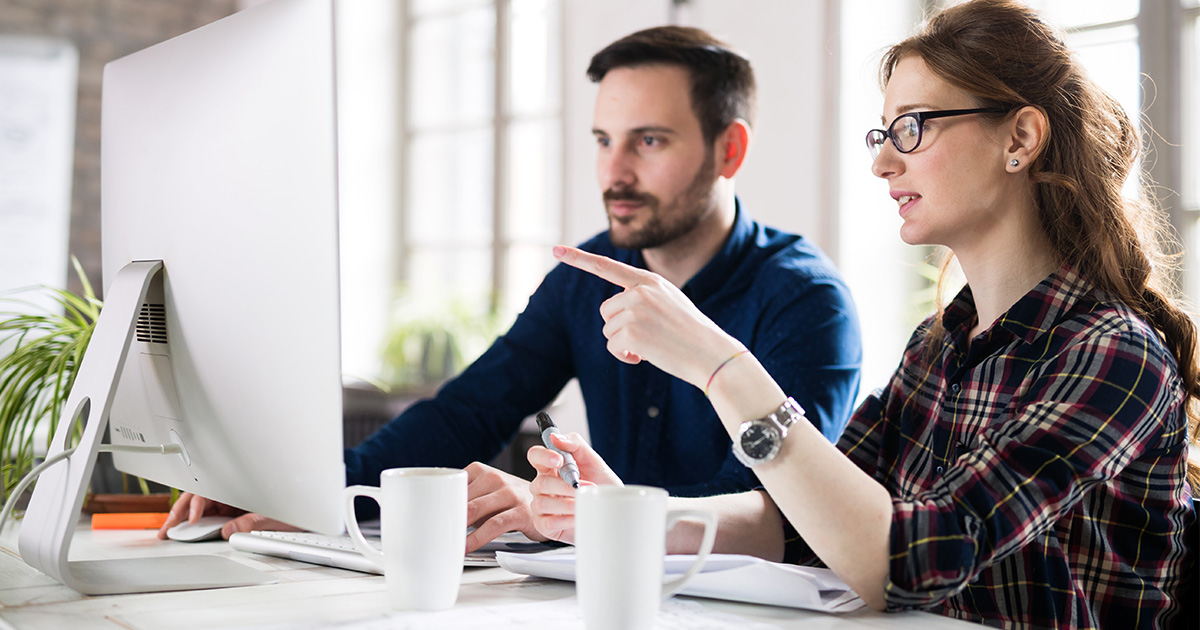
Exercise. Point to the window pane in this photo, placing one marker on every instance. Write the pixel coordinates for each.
(1073, 13)
(527, 264)
(1191, 269)
(535, 188)
(449, 204)
(450, 186)
(419, 8)
(452, 69)
(1191, 118)
(462, 272)
(878, 266)
(1191, 153)
(1113, 60)
(533, 71)
(530, 6)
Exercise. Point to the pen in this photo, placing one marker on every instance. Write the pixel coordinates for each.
(569, 471)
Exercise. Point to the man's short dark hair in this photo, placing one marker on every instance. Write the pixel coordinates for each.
(723, 87)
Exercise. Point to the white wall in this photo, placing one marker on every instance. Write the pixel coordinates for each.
(788, 175)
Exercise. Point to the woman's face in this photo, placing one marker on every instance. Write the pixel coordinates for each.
(953, 189)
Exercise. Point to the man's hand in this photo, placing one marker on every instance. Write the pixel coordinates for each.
(191, 507)
(497, 503)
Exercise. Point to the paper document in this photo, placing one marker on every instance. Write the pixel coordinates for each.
(732, 577)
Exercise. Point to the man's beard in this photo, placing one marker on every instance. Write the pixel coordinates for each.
(680, 217)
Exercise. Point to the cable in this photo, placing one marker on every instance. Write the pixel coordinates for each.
(11, 503)
(19, 489)
(161, 449)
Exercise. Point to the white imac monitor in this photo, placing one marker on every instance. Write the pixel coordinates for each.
(220, 331)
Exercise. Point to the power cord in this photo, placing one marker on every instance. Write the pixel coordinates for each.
(11, 503)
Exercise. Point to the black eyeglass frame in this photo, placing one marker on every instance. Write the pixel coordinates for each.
(921, 117)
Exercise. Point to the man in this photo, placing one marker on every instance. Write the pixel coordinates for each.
(673, 126)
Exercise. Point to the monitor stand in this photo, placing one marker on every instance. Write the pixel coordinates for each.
(53, 513)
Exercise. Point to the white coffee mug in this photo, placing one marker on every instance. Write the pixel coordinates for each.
(620, 543)
(423, 521)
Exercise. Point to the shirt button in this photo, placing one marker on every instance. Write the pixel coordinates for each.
(956, 388)
(652, 412)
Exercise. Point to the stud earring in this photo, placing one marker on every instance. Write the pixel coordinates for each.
(1014, 163)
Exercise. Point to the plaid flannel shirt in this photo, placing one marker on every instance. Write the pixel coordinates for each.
(1037, 471)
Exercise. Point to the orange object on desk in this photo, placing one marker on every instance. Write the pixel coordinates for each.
(136, 520)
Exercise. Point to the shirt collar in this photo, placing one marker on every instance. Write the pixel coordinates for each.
(714, 275)
(716, 272)
(1035, 313)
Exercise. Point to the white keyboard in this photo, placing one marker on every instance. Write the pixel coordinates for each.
(333, 551)
(340, 552)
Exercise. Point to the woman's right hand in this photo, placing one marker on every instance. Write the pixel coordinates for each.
(653, 320)
(553, 503)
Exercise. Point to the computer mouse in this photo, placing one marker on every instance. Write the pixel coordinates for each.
(207, 528)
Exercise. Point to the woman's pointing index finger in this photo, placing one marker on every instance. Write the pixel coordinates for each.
(603, 267)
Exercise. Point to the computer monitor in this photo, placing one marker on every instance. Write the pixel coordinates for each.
(220, 330)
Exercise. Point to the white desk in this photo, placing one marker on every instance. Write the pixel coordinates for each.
(307, 595)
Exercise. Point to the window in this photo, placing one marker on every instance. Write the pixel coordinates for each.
(880, 269)
(1189, 186)
(1144, 54)
(1105, 35)
(481, 151)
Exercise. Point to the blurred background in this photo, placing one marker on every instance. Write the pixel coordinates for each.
(466, 150)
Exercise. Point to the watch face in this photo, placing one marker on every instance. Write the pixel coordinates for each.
(760, 440)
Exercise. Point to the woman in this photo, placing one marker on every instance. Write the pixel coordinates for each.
(1026, 465)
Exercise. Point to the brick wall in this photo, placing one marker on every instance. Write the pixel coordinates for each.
(102, 30)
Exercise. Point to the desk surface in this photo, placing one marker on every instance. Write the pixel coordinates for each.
(313, 596)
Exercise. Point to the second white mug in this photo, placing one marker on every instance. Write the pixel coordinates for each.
(423, 520)
(620, 543)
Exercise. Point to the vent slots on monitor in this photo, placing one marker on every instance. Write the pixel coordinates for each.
(152, 324)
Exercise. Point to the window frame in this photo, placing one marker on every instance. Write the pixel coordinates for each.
(501, 123)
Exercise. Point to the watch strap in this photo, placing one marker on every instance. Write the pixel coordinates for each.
(787, 414)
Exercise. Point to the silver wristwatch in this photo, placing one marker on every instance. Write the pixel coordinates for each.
(760, 440)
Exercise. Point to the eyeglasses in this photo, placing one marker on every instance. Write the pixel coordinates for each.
(905, 131)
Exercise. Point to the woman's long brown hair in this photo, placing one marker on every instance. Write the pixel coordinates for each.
(1003, 54)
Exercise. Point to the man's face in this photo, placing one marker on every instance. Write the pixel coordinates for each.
(655, 168)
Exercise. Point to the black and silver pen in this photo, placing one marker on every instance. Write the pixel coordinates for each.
(569, 471)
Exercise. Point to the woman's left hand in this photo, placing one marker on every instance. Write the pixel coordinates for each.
(652, 320)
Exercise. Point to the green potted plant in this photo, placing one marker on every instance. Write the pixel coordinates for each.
(431, 341)
(44, 332)
(40, 350)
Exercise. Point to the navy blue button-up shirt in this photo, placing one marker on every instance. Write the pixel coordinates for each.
(775, 292)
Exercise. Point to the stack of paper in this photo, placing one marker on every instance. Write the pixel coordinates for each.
(732, 577)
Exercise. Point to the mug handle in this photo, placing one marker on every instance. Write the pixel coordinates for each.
(706, 544)
(365, 548)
